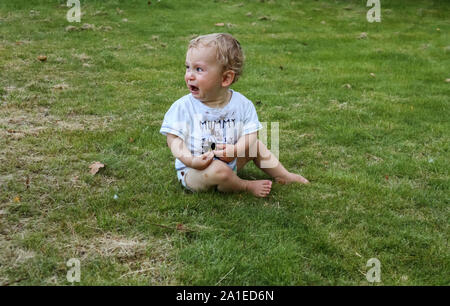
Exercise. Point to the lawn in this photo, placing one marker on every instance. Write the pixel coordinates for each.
(363, 111)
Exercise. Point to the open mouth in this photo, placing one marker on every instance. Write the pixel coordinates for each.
(193, 89)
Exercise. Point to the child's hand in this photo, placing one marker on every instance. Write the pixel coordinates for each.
(202, 161)
(225, 152)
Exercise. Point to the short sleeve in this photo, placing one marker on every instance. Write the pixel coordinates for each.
(175, 122)
(251, 122)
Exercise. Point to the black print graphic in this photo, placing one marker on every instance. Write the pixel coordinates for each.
(215, 131)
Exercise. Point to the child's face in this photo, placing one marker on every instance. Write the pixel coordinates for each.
(203, 73)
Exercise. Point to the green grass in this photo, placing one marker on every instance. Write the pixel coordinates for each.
(377, 153)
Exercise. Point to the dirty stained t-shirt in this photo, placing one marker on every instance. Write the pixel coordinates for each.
(201, 127)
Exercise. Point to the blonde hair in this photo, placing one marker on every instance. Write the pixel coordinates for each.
(229, 51)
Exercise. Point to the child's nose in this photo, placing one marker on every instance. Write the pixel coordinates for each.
(190, 75)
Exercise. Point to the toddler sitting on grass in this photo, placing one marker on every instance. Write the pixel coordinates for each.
(212, 132)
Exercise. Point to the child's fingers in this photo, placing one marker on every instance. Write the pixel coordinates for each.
(208, 155)
(219, 153)
(220, 146)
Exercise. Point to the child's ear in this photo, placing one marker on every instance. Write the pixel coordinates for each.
(227, 78)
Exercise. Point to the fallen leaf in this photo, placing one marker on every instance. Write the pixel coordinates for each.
(180, 227)
(61, 86)
(71, 28)
(16, 199)
(42, 58)
(447, 80)
(347, 86)
(220, 24)
(87, 26)
(95, 167)
(386, 177)
(131, 140)
(363, 35)
(372, 74)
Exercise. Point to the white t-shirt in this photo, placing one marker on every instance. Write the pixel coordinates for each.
(199, 125)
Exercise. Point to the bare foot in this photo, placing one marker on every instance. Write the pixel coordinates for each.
(291, 178)
(260, 188)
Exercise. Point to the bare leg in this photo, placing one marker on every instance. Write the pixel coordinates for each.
(268, 162)
(220, 175)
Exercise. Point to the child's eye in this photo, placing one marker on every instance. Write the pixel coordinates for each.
(199, 69)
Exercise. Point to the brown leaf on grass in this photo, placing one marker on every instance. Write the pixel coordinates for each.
(95, 167)
(220, 24)
(180, 227)
(42, 58)
(61, 86)
(71, 28)
(87, 26)
(16, 199)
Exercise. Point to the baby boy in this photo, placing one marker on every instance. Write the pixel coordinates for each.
(212, 132)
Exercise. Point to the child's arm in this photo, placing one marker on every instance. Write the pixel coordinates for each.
(242, 148)
(180, 151)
